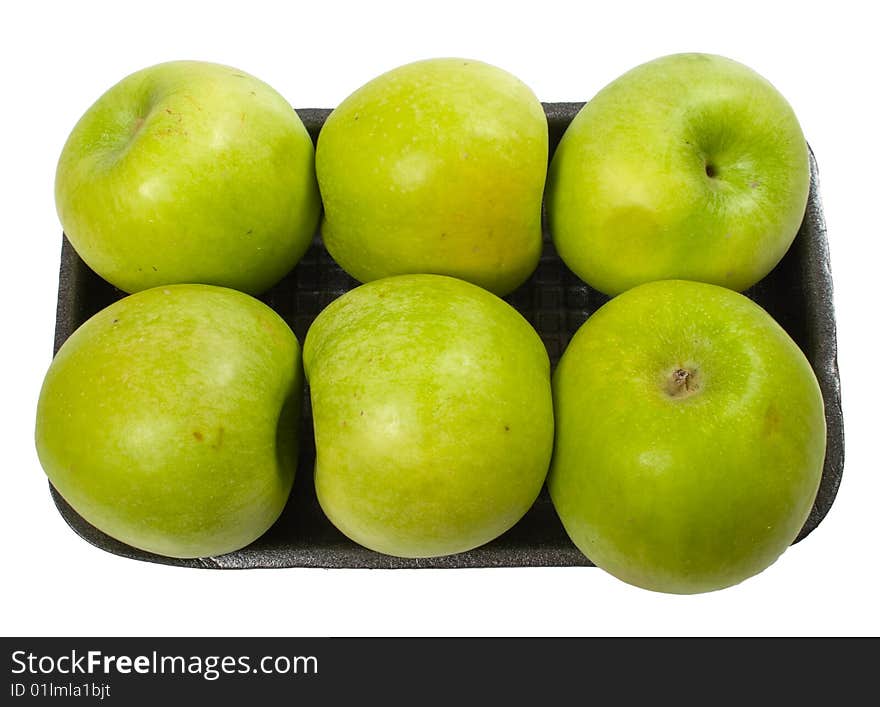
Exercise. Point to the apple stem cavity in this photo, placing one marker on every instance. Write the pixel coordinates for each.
(711, 172)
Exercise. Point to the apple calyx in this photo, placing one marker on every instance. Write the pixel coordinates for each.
(682, 383)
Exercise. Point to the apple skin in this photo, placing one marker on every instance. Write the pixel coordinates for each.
(689, 167)
(436, 167)
(189, 172)
(169, 419)
(433, 414)
(692, 489)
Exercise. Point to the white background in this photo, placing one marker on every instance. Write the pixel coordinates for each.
(58, 58)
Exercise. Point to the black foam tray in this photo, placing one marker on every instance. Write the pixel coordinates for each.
(798, 293)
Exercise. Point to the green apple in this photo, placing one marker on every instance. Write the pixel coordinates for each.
(691, 166)
(690, 438)
(436, 167)
(169, 419)
(189, 172)
(433, 414)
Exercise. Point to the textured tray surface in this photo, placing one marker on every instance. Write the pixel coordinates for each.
(798, 293)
